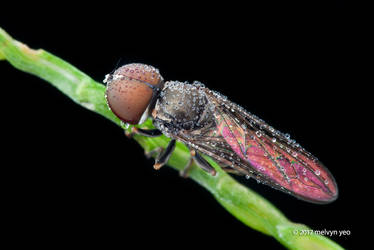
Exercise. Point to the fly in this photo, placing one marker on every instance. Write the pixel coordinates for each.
(208, 123)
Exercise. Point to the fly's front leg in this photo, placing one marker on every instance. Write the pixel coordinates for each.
(162, 155)
(147, 133)
(200, 161)
(143, 132)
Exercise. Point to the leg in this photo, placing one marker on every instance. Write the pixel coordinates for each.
(158, 152)
(200, 161)
(184, 173)
(230, 170)
(144, 132)
(147, 133)
(163, 157)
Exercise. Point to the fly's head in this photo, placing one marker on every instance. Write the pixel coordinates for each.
(181, 106)
(132, 90)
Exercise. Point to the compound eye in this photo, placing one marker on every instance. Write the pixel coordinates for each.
(129, 90)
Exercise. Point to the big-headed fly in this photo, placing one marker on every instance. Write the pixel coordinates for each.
(208, 123)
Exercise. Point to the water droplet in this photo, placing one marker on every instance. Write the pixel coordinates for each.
(258, 181)
(294, 154)
(288, 179)
(274, 139)
(258, 133)
(326, 182)
(247, 177)
(317, 172)
(124, 125)
(107, 76)
(287, 136)
(306, 178)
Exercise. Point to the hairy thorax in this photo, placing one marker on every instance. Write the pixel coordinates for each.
(181, 106)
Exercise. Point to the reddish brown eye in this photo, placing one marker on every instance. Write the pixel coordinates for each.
(128, 92)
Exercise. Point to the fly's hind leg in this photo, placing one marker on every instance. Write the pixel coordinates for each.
(200, 161)
(230, 170)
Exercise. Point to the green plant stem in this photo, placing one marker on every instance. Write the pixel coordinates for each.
(246, 205)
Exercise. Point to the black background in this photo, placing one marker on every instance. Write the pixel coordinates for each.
(71, 176)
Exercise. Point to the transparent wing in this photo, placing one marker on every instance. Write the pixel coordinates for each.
(246, 145)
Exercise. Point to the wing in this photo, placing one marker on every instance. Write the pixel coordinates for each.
(246, 145)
